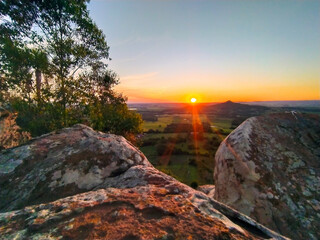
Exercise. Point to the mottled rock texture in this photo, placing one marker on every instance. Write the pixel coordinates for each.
(207, 189)
(269, 169)
(91, 185)
(62, 164)
(10, 133)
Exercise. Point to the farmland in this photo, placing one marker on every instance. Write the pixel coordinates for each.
(172, 145)
(182, 139)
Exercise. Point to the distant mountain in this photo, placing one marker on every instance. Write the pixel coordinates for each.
(226, 109)
(231, 109)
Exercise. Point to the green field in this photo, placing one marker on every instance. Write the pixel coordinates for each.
(164, 120)
(176, 143)
(187, 175)
(194, 161)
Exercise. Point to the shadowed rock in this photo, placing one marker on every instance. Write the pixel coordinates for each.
(269, 169)
(91, 185)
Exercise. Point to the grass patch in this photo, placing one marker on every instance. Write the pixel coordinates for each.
(224, 123)
(163, 121)
(184, 173)
(163, 135)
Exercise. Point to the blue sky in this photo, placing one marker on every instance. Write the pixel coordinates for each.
(243, 50)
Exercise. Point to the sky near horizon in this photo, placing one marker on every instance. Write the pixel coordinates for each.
(214, 50)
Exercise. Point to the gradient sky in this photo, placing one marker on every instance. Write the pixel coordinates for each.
(243, 50)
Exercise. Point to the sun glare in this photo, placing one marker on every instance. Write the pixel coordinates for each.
(193, 100)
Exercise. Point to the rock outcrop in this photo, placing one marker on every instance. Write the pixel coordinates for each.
(269, 169)
(91, 185)
(10, 133)
(53, 166)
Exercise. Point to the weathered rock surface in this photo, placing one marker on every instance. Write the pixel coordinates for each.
(10, 133)
(209, 190)
(91, 185)
(269, 169)
(58, 165)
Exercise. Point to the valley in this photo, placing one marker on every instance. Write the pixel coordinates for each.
(182, 139)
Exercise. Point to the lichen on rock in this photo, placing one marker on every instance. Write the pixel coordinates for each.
(81, 184)
(57, 165)
(269, 169)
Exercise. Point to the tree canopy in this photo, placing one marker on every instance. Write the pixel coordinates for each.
(53, 68)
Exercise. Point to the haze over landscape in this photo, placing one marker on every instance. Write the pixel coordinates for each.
(170, 51)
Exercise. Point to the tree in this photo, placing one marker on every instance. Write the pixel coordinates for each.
(39, 61)
(57, 40)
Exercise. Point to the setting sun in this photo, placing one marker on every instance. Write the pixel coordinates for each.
(193, 100)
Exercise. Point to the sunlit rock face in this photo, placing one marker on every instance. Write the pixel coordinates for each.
(61, 164)
(92, 185)
(10, 133)
(269, 169)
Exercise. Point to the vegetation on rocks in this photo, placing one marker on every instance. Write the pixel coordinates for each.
(11, 134)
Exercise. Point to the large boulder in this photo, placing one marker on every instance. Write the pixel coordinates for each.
(61, 164)
(92, 185)
(269, 169)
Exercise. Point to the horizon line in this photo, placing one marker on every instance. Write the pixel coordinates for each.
(128, 102)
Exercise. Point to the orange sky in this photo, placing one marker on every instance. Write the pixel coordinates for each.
(169, 51)
(219, 89)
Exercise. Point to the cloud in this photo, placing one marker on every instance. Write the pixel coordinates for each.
(139, 76)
